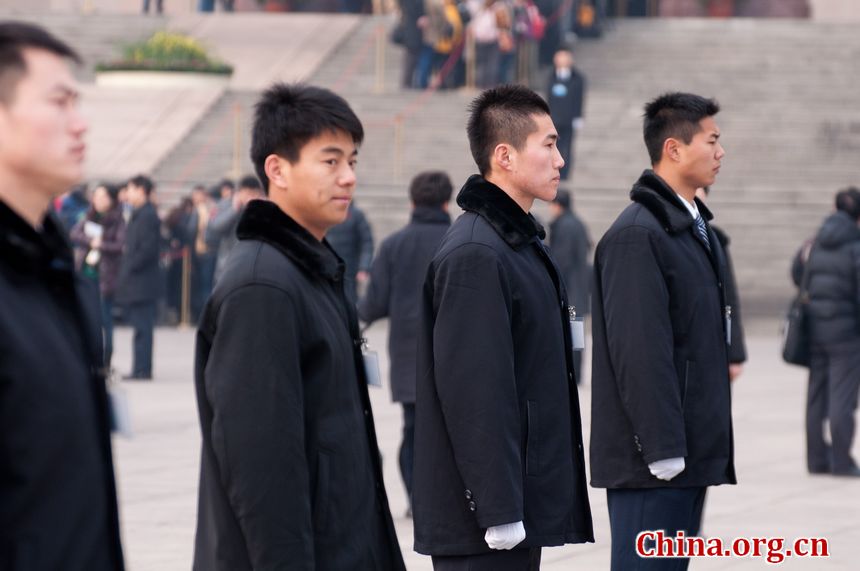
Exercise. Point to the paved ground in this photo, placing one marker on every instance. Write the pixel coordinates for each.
(158, 469)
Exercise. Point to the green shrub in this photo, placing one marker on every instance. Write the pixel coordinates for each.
(167, 51)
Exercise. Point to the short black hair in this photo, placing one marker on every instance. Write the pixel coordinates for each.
(431, 188)
(287, 116)
(503, 114)
(251, 182)
(15, 37)
(112, 191)
(848, 201)
(674, 115)
(563, 198)
(143, 182)
(228, 183)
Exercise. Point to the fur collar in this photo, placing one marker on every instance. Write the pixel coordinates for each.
(653, 193)
(26, 248)
(516, 227)
(263, 220)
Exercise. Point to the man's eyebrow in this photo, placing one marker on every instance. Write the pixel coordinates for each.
(338, 151)
(715, 135)
(551, 137)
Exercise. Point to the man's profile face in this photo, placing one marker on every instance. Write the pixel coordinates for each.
(700, 160)
(135, 195)
(41, 127)
(536, 167)
(320, 184)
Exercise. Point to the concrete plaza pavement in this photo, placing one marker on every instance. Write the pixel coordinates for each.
(157, 468)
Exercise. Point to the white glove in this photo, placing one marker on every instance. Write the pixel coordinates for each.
(667, 469)
(505, 536)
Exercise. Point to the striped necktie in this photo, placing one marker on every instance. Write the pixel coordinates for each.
(702, 231)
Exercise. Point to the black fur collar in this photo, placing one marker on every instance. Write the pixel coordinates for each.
(484, 198)
(263, 220)
(33, 250)
(653, 193)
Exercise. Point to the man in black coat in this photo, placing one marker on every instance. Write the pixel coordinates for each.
(499, 467)
(139, 283)
(57, 495)
(290, 475)
(566, 98)
(396, 277)
(661, 426)
(570, 246)
(834, 326)
(352, 240)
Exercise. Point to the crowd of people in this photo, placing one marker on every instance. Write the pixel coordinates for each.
(486, 324)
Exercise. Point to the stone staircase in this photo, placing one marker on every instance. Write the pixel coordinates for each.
(789, 125)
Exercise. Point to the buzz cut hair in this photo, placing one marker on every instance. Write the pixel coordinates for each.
(674, 116)
(15, 37)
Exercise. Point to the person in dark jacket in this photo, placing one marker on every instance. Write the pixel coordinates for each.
(833, 261)
(499, 466)
(290, 475)
(566, 98)
(661, 425)
(738, 346)
(222, 227)
(73, 207)
(394, 291)
(352, 239)
(58, 507)
(139, 276)
(570, 245)
(100, 239)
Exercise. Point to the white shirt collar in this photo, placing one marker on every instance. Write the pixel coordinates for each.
(691, 207)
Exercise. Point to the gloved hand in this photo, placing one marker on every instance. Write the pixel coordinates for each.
(505, 536)
(667, 469)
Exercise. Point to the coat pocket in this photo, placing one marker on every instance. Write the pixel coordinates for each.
(321, 492)
(532, 439)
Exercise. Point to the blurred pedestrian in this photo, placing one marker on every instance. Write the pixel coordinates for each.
(352, 239)
(203, 247)
(100, 239)
(485, 29)
(159, 6)
(222, 228)
(290, 474)
(570, 245)
(566, 98)
(661, 419)
(499, 466)
(139, 276)
(394, 291)
(178, 255)
(58, 507)
(411, 12)
(830, 266)
(73, 206)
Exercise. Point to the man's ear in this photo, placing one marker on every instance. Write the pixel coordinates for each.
(503, 157)
(278, 170)
(672, 149)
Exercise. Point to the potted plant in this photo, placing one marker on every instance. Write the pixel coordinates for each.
(165, 59)
(275, 5)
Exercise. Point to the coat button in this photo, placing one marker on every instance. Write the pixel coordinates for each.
(472, 506)
(366, 412)
(468, 494)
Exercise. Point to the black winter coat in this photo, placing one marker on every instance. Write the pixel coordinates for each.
(353, 241)
(570, 246)
(57, 495)
(566, 98)
(498, 435)
(139, 275)
(834, 281)
(396, 279)
(660, 370)
(290, 471)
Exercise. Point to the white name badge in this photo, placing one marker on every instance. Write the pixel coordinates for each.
(371, 368)
(577, 333)
(120, 418)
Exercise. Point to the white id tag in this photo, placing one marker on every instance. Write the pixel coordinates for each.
(577, 334)
(120, 418)
(728, 325)
(371, 368)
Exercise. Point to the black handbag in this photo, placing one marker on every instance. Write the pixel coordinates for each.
(796, 341)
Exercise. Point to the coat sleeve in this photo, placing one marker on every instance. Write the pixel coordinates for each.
(475, 381)
(365, 236)
(374, 304)
(254, 386)
(641, 343)
(77, 235)
(115, 243)
(737, 349)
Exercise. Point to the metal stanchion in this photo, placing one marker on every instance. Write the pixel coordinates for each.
(380, 59)
(398, 147)
(185, 320)
(470, 61)
(237, 141)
